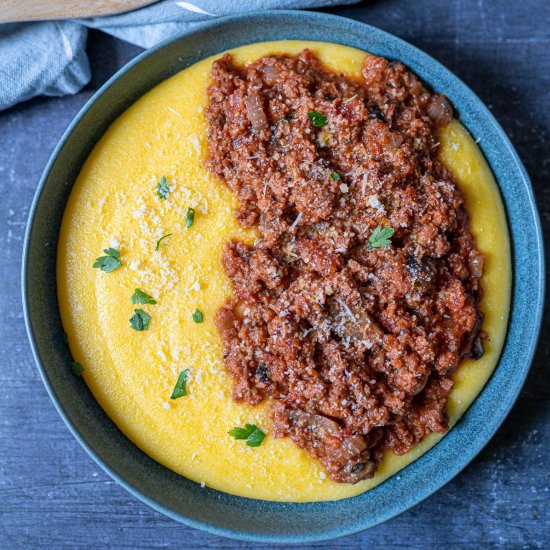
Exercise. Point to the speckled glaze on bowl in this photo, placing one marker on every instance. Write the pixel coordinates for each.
(174, 495)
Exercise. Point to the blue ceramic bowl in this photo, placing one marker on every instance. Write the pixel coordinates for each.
(174, 495)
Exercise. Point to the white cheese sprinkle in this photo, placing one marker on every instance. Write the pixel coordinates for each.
(374, 202)
(196, 143)
(364, 186)
(138, 212)
(295, 223)
(347, 310)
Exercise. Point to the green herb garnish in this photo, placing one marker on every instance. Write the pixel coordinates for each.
(161, 239)
(190, 217)
(110, 262)
(335, 176)
(253, 435)
(318, 119)
(76, 368)
(163, 189)
(140, 297)
(180, 389)
(381, 237)
(112, 252)
(140, 320)
(198, 317)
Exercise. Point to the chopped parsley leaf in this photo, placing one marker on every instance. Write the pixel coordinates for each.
(161, 239)
(253, 435)
(180, 389)
(190, 217)
(110, 262)
(112, 252)
(140, 297)
(318, 119)
(381, 237)
(163, 189)
(198, 317)
(76, 368)
(335, 176)
(140, 320)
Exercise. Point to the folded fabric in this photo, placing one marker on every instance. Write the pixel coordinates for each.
(49, 57)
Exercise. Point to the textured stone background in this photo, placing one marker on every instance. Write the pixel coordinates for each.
(52, 495)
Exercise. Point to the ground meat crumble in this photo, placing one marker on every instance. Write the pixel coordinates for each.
(354, 345)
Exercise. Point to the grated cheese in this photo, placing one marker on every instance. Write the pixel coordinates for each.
(295, 223)
(374, 202)
(347, 310)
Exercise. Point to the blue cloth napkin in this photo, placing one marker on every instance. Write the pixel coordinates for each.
(49, 57)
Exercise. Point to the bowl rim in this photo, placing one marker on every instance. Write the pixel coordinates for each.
(528, 352)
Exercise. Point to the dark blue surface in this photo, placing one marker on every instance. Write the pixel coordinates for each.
(498, 501)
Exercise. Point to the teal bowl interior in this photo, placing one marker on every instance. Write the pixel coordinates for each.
(174, 495)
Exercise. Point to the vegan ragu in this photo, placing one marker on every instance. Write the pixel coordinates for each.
(360, 297)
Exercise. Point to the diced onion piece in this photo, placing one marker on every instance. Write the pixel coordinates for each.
(271, 74)
(476, 265)
(363, 327)
(440, 110)
(324, 424)
(351, 447)
(255, 113)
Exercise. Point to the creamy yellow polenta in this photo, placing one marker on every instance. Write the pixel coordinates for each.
(132, 374)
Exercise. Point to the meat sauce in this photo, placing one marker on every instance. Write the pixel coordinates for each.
(353, 341)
